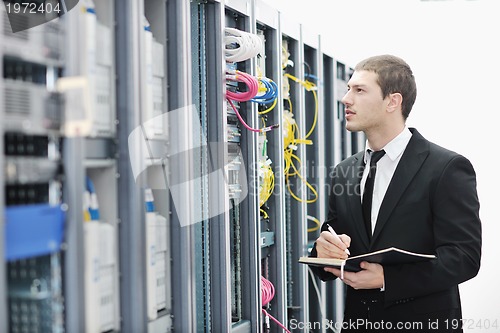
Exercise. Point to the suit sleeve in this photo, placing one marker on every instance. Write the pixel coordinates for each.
(457, 238)
(332, 216)
(319, 271)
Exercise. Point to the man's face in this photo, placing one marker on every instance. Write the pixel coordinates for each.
(364, 106)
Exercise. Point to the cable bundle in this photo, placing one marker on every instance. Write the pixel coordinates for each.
(292, 161)
(267, 290)
(241, 45)
(250, 81)
(268, 91)
(266, 177)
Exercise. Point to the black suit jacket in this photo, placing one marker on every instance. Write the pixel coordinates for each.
(431, 206)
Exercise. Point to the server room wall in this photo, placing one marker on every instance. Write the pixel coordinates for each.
(163, 173)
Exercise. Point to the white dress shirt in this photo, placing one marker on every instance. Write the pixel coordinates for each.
(385, 170)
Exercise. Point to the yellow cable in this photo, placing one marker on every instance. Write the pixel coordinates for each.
(270, 108)
(291, 139)
(266, 216)
(309, 186)
(267, 184)
(316, 221)
(313, 126)
(309, 86)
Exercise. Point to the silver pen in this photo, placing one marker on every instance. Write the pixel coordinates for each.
(337, 236)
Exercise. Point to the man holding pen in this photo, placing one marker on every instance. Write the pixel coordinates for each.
(408, 193)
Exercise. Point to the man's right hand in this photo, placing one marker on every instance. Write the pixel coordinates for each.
(328, 246)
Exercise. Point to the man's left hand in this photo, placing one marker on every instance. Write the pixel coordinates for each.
(370, 277)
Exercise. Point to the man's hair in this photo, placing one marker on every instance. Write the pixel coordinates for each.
(394, 76)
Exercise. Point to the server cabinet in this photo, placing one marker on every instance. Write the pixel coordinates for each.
(3, 265)
(208, 20)
(294, 127)
(156, 177)
(314, 167)
(92, 270)
(32, 197)
(244, 214)
(333, 291)
(270, 162)
(131, 207)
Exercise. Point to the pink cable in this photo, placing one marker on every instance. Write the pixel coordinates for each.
(265, 129)
(251, 82)
(267, 289)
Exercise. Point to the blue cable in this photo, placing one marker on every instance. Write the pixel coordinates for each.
(271, 92)
(94, 205)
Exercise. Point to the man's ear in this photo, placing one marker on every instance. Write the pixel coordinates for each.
(395, 101)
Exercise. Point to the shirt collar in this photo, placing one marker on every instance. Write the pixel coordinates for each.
(395, 147)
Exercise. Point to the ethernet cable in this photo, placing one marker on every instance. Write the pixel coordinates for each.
(93, 203)
(309, 86)
(241, 45)
(250, 81)
(266, 176)
(269, 109)
(316, 221)
(267, 291)
(298, 174)
(318, 294)
(265, 172)
(268, 91)
(291, 142)
(258, 130)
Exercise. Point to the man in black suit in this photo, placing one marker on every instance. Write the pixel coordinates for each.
(424, 200)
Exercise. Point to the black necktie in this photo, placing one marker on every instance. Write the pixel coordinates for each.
(368, 193)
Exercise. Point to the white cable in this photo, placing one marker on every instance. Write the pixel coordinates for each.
(241, 45)
(315, 284)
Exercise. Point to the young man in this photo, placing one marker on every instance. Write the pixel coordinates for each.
(419, 197)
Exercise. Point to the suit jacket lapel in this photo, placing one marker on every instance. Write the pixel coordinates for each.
(354, 199)
(413, 157)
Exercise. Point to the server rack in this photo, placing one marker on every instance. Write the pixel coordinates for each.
(202, 230)
(156, 129)
(245, 228)
(92, 270)
(315, 162)
(219, 282)
(272, 217)
(130, 206)
(328, 293)
(33, 298)
(295, 211)
(3, 265)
